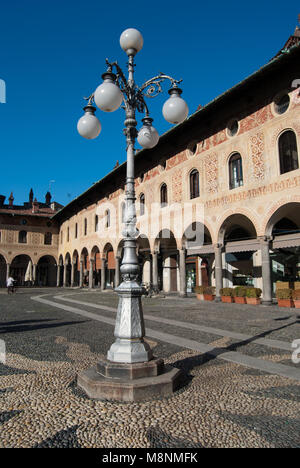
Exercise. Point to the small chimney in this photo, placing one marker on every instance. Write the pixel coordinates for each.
(11, 199)
(48, 198)
(35, 206)
(2, 200)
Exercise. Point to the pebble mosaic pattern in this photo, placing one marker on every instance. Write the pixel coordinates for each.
(223, 405)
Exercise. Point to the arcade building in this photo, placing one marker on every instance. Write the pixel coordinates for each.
(234, 163)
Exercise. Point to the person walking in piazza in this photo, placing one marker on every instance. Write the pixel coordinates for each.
(10, 285)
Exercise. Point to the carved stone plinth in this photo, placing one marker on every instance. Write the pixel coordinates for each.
(129, 382)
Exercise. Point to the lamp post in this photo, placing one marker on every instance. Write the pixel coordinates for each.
(130, 348)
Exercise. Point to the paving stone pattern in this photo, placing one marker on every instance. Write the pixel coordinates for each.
(221, 405)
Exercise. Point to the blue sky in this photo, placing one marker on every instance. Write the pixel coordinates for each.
(53, 53)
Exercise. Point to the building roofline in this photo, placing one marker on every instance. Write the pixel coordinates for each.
(277, 61)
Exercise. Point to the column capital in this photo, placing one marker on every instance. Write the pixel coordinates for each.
(218, 245)
(265, 239)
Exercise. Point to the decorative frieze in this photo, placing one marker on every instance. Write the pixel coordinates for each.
(257, 192)
(257, 147)
(211, 173)
(177, 186)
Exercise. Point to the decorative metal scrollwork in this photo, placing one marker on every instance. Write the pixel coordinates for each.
(135, 95)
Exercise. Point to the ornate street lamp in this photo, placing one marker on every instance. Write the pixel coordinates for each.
(130, 359)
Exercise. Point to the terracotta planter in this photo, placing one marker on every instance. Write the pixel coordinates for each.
(209, 297)
(285, 303)
(297, 303)
(227, 299)
(240, 300)
(200, 297)
(253, 300)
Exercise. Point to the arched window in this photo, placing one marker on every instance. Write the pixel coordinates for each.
(235, 171)
(163, 195)
(123, 206)
(68, 234)
(22, 237)
(142, 204)
(194, 184)
(107, 218)
(288, 152)
(48, 238)
(76, 231)
(96, 223)
(85, 226)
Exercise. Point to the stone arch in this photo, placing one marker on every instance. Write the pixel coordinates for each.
(166, 246)
(67, 270)
(96, 257)
(3, 271)
(46, 271)
(275, 212)
(67, 258)
(3, 255)
(198, 267)
(289, 211)
(232, 215)
(19, 267)
(120, 247)
(144, 257)
(76, 266)
(197, 234)
(85, 259)
(109, 256)
(236, 225)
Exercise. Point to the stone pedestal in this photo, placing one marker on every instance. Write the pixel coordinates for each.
(129, 382)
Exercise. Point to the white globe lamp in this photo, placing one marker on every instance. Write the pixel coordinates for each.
(148, 136)
(88, 125)
(131, 41)
(175, 109)
(108, 96)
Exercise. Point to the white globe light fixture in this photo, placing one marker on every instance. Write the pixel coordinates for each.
(108, 96)
(148, 136)
(175, 109)
(131, 41)
(88, 125)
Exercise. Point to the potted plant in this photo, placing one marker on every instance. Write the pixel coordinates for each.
(209, 293)
(285, 297)
(253, 296)
(239, 294)
(226, 294)
(296, 298)
(199, 292)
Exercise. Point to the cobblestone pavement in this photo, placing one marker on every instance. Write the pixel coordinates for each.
(224, 403)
